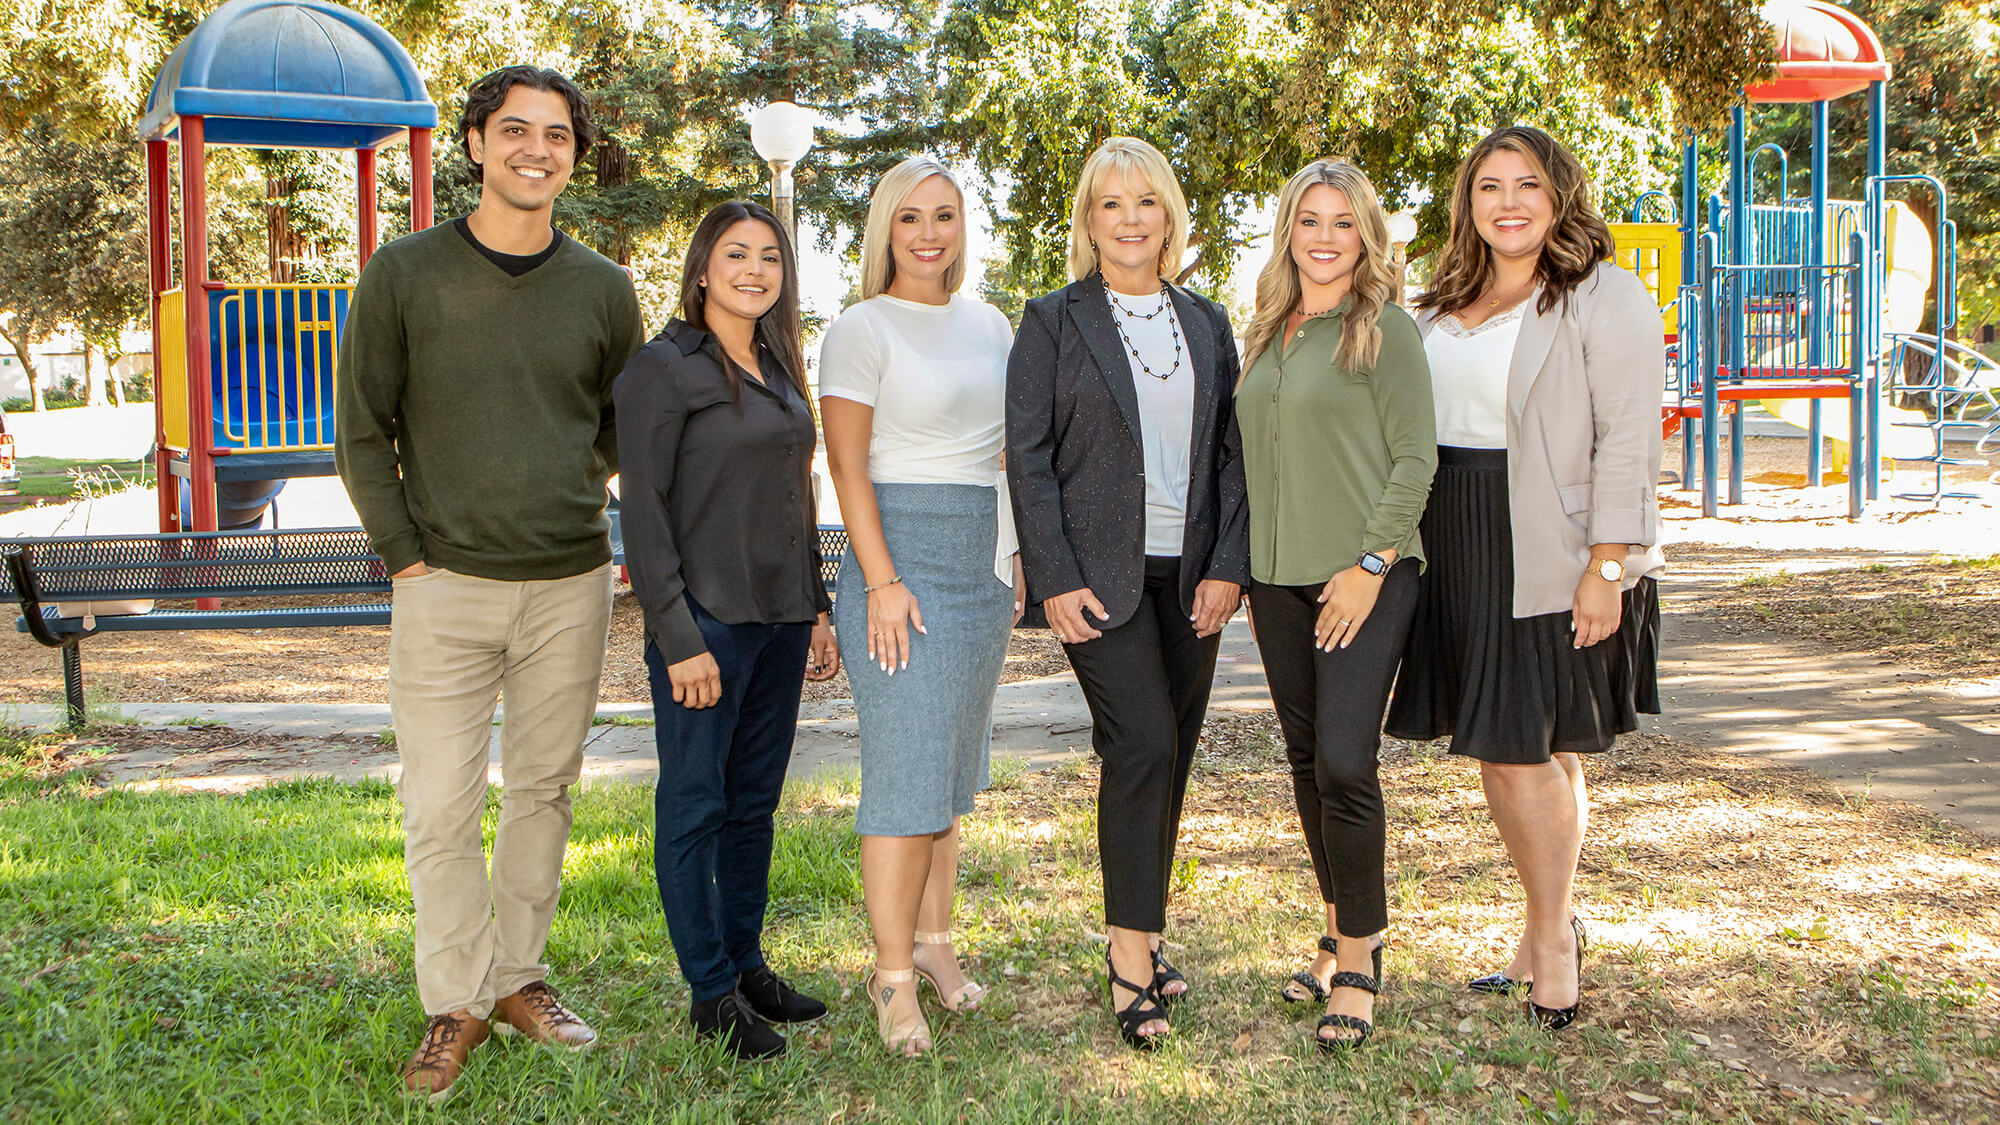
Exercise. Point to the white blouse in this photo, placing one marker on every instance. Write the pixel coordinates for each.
(936, 377)
(1469, 377)
(1163, 374)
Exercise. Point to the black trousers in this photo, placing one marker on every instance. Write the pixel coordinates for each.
(1147, 684)
(1330, 708)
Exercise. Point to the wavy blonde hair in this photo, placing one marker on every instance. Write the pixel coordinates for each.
(1576, 242)
(878, 262)
(1133, 157)
(1378, 276)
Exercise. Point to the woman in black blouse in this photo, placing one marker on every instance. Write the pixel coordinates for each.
(716, 439)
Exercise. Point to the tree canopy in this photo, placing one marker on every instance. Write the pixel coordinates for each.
(1238, 93)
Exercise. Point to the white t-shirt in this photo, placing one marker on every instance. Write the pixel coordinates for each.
(1469, 378)
(1163, 373)
(936, 376)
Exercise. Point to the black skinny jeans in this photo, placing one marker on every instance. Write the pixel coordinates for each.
(1330, 708)
(1147, 684)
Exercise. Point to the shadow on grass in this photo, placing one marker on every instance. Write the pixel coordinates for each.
(198, 958)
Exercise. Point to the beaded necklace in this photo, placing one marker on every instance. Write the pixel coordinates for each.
(1173, 323)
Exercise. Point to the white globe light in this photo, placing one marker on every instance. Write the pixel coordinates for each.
(783, 131)
(1403, 227)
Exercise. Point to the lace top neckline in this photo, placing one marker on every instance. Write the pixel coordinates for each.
(1452, 326)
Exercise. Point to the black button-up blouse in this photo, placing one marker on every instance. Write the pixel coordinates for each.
(716, 491)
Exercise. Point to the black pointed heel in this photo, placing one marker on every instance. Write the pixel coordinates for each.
(1145, 1006)
(1370, 985)
(1555, 1019)
(1500, 984)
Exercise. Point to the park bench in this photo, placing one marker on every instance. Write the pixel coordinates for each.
(73, 587)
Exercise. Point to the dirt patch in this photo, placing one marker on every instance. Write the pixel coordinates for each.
(1943, 616)
(339, 665)
(120, 753)
(1780, 948)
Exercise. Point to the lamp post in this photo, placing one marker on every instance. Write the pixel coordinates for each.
(783, 133)
(1403, 228)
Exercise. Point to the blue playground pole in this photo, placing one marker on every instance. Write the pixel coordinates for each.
(1784, 170)
(1862, 291)
(1705, 355)
(1690, 198)
(1739, 255)
(1690, 332)
(1816, 324)
(1878, 118)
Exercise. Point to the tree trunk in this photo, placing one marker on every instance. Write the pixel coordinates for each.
(614, 170)
(93, 383)
(22, 340)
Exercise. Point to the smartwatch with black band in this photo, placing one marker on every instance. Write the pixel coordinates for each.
(1373, 563)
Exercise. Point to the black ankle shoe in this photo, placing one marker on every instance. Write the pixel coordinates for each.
(772, 997)
(731, 1018)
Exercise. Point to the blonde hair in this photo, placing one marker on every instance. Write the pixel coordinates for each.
(878, 262)
(1131, 156)
(1377, 279)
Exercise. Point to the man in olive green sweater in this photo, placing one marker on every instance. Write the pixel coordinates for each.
(475, 437)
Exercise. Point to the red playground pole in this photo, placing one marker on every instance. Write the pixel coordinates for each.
(420, 179)
(194, 251)
(160, 275)
(364, 179)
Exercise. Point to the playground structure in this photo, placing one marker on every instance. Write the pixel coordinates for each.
(1808, 305)
(244, 372)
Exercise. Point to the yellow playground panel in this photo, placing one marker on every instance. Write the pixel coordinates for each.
(1653, 252)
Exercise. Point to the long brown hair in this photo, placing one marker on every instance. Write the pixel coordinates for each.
(1378, 276)
(778, 328)
(1577, 240)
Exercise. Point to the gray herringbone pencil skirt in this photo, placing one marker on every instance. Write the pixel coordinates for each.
(925, 730)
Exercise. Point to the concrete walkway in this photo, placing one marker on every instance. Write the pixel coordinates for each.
(1870, 726)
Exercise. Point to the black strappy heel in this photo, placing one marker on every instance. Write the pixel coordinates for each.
(1164, 974)
(1304, 978)
(1368, 984)
(1144, 1008)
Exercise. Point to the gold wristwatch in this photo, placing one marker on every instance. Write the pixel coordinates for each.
(1611, 570)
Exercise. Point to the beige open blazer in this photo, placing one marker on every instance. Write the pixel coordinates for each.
(1583, 436)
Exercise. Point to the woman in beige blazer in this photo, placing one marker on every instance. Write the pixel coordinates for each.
(1537, 624)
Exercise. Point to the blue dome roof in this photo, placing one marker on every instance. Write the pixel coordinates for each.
(289, 74)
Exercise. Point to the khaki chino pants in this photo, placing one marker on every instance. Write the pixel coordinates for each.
(457, 645)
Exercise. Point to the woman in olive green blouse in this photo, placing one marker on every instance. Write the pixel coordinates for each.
(1339, 443)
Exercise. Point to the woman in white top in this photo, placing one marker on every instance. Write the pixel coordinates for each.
(913, 396)
(1536, 637)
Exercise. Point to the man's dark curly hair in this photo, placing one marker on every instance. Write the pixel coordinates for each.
(485, 96)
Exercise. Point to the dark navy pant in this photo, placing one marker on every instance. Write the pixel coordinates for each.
(721, 770)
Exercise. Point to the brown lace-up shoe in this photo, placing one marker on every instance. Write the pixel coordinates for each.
(535, 1012)
(448, 1041)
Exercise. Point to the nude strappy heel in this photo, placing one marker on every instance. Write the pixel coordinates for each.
(968, 995)
(912, 1037)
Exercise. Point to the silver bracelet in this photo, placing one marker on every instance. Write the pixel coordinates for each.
(881, 585)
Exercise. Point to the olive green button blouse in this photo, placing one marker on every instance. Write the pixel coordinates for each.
(1338, 461)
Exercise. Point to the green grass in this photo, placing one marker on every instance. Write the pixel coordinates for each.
(195, 958)
(620, 720)
(56, 479)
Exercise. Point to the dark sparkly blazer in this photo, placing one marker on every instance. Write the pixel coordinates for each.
(1075, 464)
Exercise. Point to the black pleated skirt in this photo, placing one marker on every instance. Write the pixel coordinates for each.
(1506, 689)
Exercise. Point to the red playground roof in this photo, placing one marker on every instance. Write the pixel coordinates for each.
(1824, 52)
